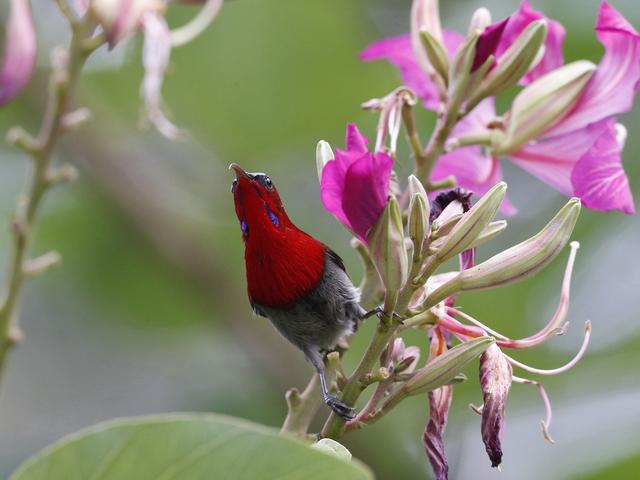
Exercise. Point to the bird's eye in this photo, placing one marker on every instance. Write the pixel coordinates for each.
(233, 186)
(267, 182)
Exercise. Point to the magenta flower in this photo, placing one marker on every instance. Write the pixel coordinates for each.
(495, 39)
(580, 155)
(20, 48)
(355, 185)
(472, 169)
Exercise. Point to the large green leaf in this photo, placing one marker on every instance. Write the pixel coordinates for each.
(184, 447)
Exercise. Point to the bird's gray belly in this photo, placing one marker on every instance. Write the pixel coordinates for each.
(321, 317)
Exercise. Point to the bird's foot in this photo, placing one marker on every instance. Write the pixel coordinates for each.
(339, 408)
(375, 311)
(379, 312)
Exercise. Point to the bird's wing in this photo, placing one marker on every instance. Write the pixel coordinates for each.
(335, 258)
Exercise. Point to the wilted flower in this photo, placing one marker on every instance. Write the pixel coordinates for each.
(20, 48)
(439, 404)
(495, 381)
(355, 184)
(120, 18)
(496, 367)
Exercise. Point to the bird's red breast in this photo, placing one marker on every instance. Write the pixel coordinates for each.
(283, 262)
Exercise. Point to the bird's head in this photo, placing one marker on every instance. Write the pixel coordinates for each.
(258, 205)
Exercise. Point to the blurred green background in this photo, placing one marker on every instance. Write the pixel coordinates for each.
(149, 313)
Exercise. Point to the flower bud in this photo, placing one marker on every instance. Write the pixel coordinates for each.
(526, 258)
(480, 19)
(119, 18)
(461, 74)
(386, 244)
(418, 213)
(472, 223)
(542, 103)
(495, 381)
(324, 154)
(442, 369)
(20, 49)
(512, 64)
(425, 15)
(436, 54)
(409, 360)
(490, 231)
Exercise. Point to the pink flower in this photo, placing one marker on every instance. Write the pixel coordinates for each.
(20, 48)
(355, 185)
(579, 155)
(495, 39)
(472, 169)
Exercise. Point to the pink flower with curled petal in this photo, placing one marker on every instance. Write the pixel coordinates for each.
(580, 155)
(355, 185)
(471, 167)
(20, 48)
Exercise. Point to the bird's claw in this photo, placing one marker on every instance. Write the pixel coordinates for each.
(341, 409)
(379, 312)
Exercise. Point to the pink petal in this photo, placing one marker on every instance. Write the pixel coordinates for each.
(354, 140)
(398, 51)
(355, 184)
(20, 49)
(613, 86)
(366, 191)
(332, 187)
(488, 43)
(473, 169)
(552, 159)
(598, 177)
(552, 58)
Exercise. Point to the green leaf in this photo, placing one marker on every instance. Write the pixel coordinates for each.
(184, 447)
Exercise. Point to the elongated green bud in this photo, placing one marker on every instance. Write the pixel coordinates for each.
(513, 63)
(527, 258)
(444, 368)
(542, 103)
(472, 223)
(418, 213)
(516, 263)
(386, 244)
(460, 75)
(436, 54)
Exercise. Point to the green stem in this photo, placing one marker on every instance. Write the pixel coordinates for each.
(62, 85)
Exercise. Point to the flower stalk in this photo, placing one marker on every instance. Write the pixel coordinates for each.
(62, 86)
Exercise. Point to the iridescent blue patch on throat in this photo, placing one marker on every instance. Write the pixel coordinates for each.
(244, 227)
(272, 216)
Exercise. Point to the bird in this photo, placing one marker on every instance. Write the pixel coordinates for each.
(294, 280)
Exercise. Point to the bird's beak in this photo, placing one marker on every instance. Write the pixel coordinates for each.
(240, 173)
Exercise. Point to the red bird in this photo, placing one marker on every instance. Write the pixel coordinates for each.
(294, 280)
